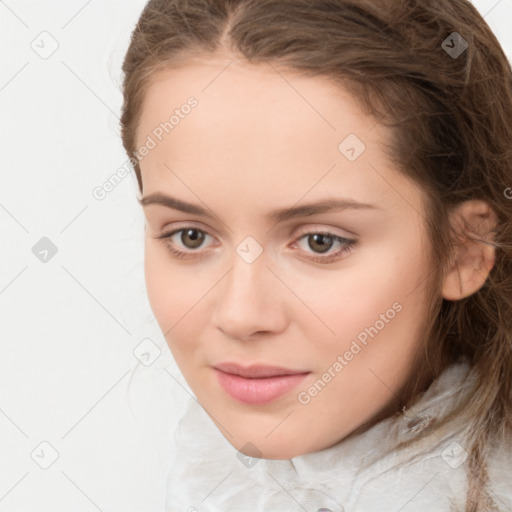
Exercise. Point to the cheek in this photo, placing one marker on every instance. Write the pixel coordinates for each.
(166, 287)
(175, 299)
(374, 297)
(156, 282)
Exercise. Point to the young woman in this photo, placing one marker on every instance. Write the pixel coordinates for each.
(328, 204)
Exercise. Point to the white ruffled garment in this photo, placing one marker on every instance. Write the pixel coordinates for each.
(207, 474)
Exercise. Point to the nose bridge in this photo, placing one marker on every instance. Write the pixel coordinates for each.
(247, 300)
(247, 280)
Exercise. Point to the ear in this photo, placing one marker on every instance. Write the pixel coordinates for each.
(474, 252)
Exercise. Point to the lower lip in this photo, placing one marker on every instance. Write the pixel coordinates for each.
(258, 391)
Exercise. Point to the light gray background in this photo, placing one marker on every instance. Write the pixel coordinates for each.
(69, 377)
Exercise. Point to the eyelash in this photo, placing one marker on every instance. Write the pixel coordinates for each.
(347, 244)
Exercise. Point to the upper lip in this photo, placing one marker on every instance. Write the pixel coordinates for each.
(256, 370)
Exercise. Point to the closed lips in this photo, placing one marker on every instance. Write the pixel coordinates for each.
(256, 371)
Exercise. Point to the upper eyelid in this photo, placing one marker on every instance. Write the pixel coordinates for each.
(301, 231)
(329, 231)
(322, 226)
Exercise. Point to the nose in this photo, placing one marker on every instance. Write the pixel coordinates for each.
(250, 300)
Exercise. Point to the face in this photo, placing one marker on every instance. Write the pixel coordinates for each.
(290, 241)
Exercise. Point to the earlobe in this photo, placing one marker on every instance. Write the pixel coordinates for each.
(474, 252)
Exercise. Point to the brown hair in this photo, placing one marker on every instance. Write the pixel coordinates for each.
(451, 123)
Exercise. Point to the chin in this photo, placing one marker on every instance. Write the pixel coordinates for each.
(273, 450)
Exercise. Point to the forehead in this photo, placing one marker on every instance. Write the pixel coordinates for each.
(259, 130)
(262, 99)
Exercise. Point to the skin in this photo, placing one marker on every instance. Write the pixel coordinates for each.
(254, 144)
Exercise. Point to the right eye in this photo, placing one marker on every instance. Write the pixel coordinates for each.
(190, 237)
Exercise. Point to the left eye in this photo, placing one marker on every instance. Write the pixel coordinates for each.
(323, 242)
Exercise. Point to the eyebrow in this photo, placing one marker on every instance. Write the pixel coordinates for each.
(280, 215)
